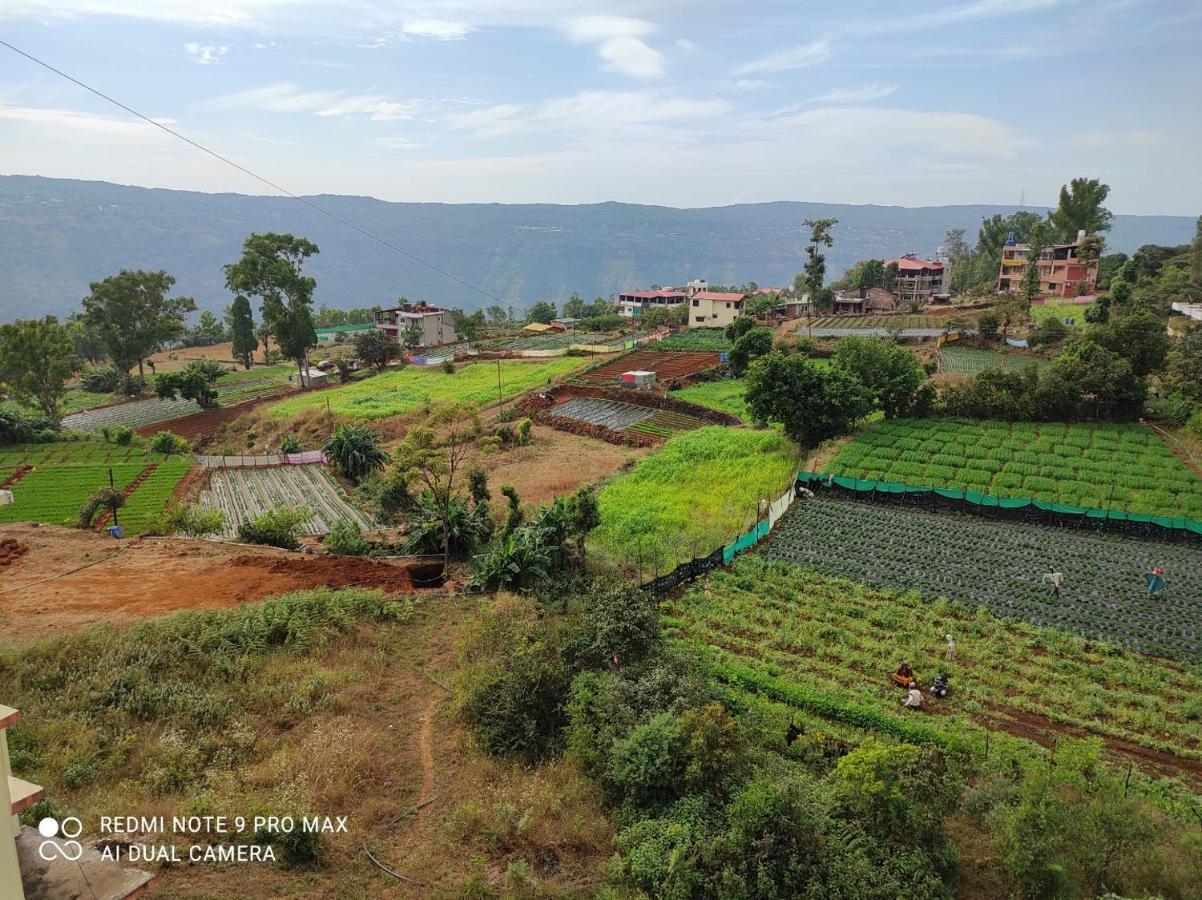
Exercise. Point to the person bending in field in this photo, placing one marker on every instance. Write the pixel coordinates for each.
(913, 699)
(940, 686)
(1155, 581)
(904, 676)
(1056, 578)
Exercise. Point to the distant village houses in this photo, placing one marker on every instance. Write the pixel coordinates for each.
(706, 308)
(434, 324)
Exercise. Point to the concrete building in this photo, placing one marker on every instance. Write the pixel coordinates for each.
(632, 304)
(434, 323)
(1061, 273)
(714, 309)
(918, 280)
(16, 796)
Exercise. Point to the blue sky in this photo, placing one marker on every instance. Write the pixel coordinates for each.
(661, 101)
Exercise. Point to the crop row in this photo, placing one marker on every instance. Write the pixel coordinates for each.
(54, 494)
(827, 645)
(72, 452)
(1119, 467)
(1000, 565)
(607, 413)
(243, 494)
(966, 361)
(694, 339)
(904, 321)
(144, 506)
(665, 422)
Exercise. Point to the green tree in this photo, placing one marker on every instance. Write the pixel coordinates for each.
(208, 330)
(987, 325)
(468, 326)
(891, 373)
(812, 405)
(955, 248)
(542, 312)
(376, 348)
(1195, 256)
(133, 315)
(1080, 209)
(37, 359)
(355, 451)
(1089, 253)
(815, 267)
(242, 331)
(749, 346)
(1183, 373)
(194, 382)
(271, 268)
(1037, 241)
(411, 336)
(85, 339)
(1140, 338)
(433, 455)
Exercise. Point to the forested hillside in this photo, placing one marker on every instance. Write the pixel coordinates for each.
(56, 235)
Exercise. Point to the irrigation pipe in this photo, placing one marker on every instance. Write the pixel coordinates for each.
(95, 562)
(396, 875)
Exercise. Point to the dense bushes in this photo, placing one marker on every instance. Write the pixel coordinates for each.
(276, 528)
(24, 428)
(100, 381)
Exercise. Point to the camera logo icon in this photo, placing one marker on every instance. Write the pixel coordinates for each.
(68, 848)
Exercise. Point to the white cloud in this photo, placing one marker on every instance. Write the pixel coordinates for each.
(593, 113)
(285, 97)
(950, 15)
(793, 58)
(80, 121)
(684, 45)
(205, 54)
(863, 94)
(620, 44)
(438, 29)
(751, 84)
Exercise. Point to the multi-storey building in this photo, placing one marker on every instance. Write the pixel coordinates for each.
(634, 303)
(918, 280)
(435, 325)
(714, 309)
(1061, 272)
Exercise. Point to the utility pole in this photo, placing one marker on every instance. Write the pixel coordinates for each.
(113, 487)
(498, 379)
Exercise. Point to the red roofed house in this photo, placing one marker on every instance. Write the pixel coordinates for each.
(435, 325)
(918, 280)
(714, 309)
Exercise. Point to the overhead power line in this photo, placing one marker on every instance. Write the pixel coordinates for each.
(243, 169)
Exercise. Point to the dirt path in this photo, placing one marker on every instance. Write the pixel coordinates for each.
(425, 752)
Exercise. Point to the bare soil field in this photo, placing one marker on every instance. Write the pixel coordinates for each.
(67, 578)
(555, 462)
(665, 365)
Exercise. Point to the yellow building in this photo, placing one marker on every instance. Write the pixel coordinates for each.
(714, 309)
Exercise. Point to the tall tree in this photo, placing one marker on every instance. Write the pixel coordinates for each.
(1037, 242)
(811, 404)
(271, 269)
(36, 360)
(85, 338)
(815, 267)
(1195, 256)
(1089, 254)
(134, 316)
(242, 331)
(376, 348)
(1081, 209)
(955, 248)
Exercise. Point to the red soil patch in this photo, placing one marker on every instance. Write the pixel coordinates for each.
(70, 578)
(10, 551)
(204, 423)
(18, 473)
(666, 364)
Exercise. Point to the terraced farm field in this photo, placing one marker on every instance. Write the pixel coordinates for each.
(705, 339)
(243, 494)
(1000, 565)
(133, 415)
(618, 416)
(725, 396)
(556, 341)
(397, 392)
(828, 645)
(665, 365)
(967, 361)
(1122, 467)
(893, 321)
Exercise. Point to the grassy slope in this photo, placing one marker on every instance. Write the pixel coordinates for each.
(314, 704)
(394, 393)
(1123, 467)
(725, 396)
(693, 496)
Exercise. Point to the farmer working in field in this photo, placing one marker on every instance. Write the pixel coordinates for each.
(1155, 580)
(1056, 578)
(950, 653)
(913, 700)
(904, 676)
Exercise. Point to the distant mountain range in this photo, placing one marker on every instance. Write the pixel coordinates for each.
(56, 235)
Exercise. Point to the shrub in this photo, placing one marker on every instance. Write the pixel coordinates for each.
(169, 442)
(123, 436)
(647, 766)
(276, 527)
(290, 443)
(105, 498)
(448, 367)
(100, 381)
(22, 428)
(355, 451)
(522, 436)
(346, 539)
(191, 519)
(987, 325)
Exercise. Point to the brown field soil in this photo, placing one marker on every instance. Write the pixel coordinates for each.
(553, 463)
(205, 423)
(171, 360)
(151, 576)
(665, 365)
(11, 550)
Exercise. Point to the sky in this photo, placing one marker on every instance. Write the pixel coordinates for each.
(577, 101)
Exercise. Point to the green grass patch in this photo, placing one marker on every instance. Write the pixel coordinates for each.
(402, 391)
(696, 494)
(725, 396)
